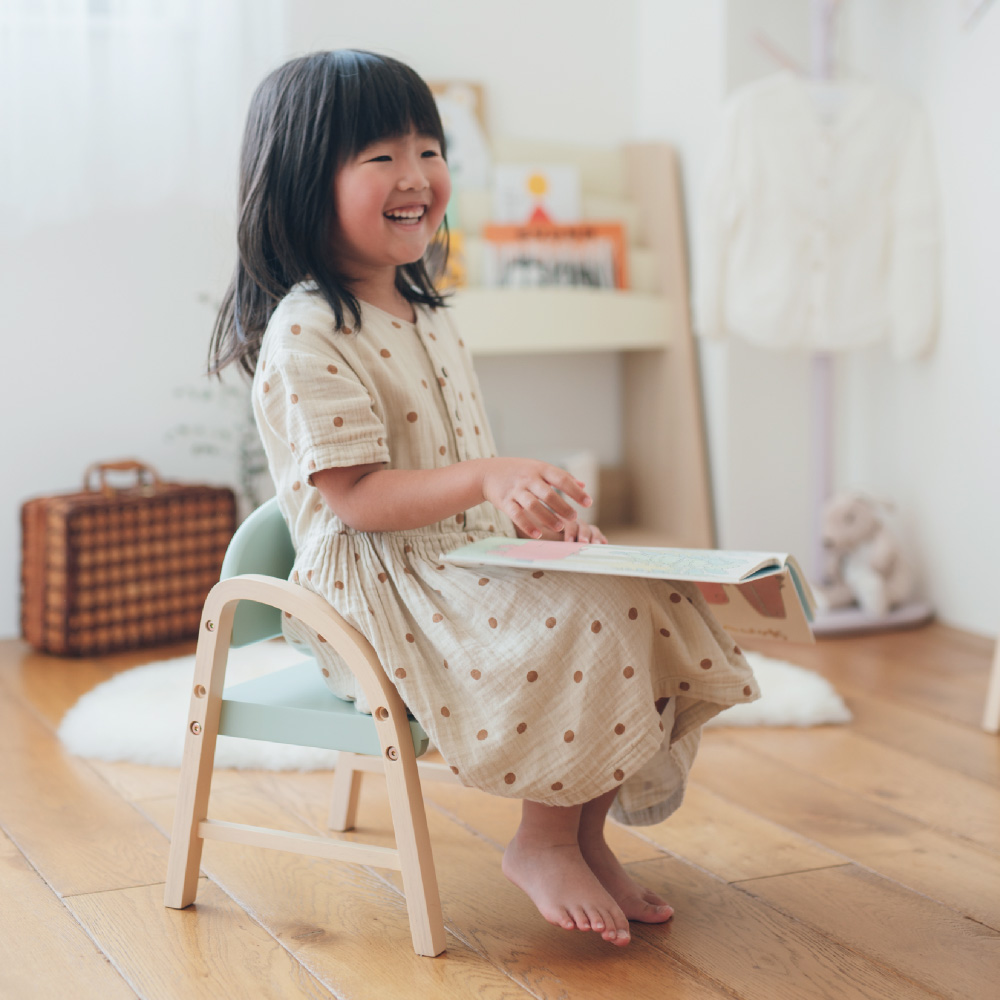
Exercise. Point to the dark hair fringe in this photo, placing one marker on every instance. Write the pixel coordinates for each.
(306, 119)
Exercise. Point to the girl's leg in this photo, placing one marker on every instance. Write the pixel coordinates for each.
(544, 860)
(636, 902)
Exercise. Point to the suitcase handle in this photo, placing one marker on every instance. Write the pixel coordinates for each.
(101, 469)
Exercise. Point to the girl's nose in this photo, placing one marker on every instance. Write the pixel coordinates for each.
(413, 177)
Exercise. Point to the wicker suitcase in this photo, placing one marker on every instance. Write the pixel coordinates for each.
(108, 569)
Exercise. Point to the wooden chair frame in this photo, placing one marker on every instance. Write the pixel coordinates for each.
(192, 826)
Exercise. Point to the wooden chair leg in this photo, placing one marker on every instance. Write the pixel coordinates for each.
(198, 762)
(409, 820)
(991, 712)
(346, 789)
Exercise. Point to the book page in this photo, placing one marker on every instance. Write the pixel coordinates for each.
(617, 560)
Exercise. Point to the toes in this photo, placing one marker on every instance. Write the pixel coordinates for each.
(561, 918)
(653, 913)
(618, 928)
(580, 917)
(598, 921)
(650, 897)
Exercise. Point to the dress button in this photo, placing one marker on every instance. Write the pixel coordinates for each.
(444, 372)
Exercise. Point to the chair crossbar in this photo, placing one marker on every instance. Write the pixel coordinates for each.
(300, 843)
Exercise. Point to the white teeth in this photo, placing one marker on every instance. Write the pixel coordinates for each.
(415, 213)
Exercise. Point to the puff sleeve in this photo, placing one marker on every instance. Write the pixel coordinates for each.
(314, 403)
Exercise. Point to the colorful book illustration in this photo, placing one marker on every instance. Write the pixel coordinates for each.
(535, 254)
(762, 594)
(536, 193)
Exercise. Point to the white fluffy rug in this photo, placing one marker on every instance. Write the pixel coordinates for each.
(139, 715)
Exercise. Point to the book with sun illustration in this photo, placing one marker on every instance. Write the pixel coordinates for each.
(761, 594)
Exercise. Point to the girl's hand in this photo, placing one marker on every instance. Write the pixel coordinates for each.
(589, 534)
(525, 490)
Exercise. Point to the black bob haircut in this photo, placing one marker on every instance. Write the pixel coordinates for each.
(306, 119)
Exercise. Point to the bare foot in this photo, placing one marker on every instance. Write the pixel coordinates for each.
(563, 887)
(636, 902)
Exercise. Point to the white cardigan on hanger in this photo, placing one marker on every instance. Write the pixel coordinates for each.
(821, 234)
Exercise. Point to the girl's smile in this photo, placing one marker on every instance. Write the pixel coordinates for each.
(389, 201)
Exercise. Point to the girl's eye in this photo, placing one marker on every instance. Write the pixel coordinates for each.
(430, 152)
(384, 158)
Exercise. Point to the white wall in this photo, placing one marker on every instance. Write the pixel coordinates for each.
(928, 435)
(103, 319)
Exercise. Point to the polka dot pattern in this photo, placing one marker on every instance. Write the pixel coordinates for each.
(506, 706)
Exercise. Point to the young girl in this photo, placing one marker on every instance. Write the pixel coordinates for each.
(576, 694)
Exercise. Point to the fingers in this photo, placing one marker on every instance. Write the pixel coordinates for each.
(544, 512)
(533, 494)
(573, 488)
(589, 534)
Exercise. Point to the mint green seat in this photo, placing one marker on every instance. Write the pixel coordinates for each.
(294, 706)
(291, 705)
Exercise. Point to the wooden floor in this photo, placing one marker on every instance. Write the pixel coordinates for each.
(838, 862)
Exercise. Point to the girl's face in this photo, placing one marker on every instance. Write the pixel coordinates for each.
(390, 200)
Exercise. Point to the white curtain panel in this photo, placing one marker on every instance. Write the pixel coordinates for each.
(112, 105)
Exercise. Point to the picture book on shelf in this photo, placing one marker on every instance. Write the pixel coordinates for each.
(591, 254)
(763, 594)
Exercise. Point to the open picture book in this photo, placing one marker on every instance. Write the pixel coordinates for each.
(750, 593)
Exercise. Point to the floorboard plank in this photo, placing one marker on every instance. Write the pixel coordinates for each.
(917, 788)
(210, 950)
(922, 940)
(947, 744)
(732, 842)
(952, 871)
(44, 952)
(75, 829)
(755, 951)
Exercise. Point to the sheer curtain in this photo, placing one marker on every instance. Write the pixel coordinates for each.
(121, 104)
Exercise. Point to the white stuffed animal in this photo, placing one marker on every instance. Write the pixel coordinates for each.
(865, 564)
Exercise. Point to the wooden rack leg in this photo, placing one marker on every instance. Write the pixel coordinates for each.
(991, 713)
(346, 789)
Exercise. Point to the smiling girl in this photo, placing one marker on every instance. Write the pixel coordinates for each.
(577, 695)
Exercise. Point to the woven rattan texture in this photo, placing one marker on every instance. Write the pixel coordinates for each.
(122, 571)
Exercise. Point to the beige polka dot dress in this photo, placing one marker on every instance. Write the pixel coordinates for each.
(554, 687)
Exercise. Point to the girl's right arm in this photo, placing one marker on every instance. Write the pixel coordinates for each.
(373, 498)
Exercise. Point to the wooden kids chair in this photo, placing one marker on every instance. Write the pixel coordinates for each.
(294, 706)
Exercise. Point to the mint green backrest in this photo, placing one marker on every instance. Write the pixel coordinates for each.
(261, 545)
